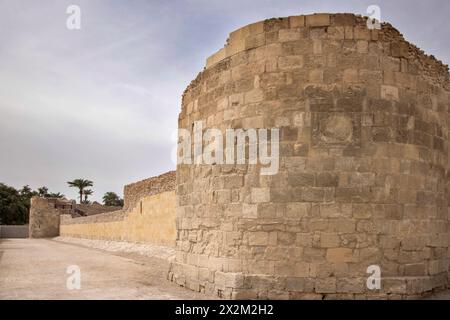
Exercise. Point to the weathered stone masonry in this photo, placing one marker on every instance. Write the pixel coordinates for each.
(364, 168)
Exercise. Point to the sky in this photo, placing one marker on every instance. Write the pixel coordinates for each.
(102, 102)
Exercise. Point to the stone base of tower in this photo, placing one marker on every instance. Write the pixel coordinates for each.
(239, 286)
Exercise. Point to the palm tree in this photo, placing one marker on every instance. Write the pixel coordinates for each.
(112, 199)
(58, 195)
(86, 193)
(81, 184)
(43, 191)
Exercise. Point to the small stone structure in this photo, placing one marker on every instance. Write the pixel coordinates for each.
(364, 165)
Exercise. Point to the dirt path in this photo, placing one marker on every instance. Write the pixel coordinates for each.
(36, 269)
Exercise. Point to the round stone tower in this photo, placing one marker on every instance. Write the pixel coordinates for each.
(361, 193)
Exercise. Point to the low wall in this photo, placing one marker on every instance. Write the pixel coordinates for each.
(14, 231)
(150, 220)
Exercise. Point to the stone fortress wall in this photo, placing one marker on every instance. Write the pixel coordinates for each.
(148, 215)
(364, 165)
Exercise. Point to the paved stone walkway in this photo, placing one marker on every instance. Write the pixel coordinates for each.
(36, 269)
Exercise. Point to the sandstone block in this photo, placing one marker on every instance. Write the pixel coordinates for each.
(297, 210)
(290, 62)
(362, 33)
(336, 32)
(342, 225)
(216, 57)
(393, 285)
(389, 93)
(228, 279)
(260, 195)
(297, 21)
(295, 284)
(399, 49)
(362, 46)
(329, 240)
(258, 238)
(276, 24)
(304, 239)
(250, 211)
(302, 179)
(234, 47)
(317, 47)
(362, 211)
(251, 29)
(283, 268)
(351, 285)
(348, 33)
(316, 76)
(417, 285)
(278, 295)
(326, 179)
(344, 19)
(326, 285)
(236, 99)
(340, 255)
(318, 20)
(350, 75)
(301, 269)
(289, 35)
(244, 294)
(254, 41)
(253, 96)
(312, 194)
(415, 269)
(334, 210)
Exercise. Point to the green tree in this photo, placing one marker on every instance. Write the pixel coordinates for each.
(43, 192)
(87, 193)
(13, 207)
(112, 199)
(26, 192)
(15, 204)
(55, 195)
(81, 184)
